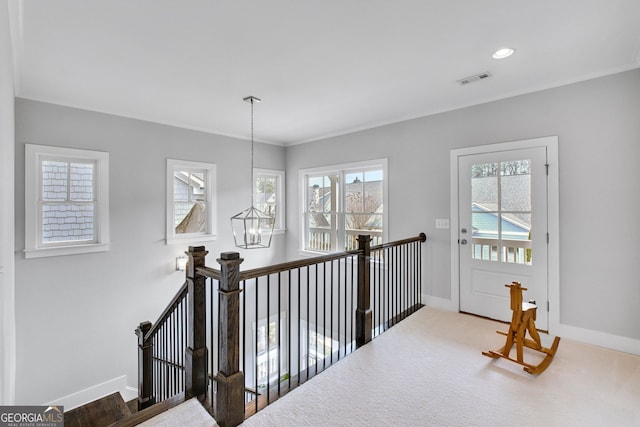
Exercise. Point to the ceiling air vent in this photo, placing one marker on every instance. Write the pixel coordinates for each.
(474, 78)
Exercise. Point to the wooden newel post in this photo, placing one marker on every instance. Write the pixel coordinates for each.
(230, 380)
(363, 311)
(196, 352)
(145, 369)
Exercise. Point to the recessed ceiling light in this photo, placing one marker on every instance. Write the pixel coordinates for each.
(505, 52)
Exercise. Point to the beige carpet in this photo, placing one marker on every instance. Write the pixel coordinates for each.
(429, 371)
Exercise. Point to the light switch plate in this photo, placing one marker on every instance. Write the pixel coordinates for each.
(442, 223)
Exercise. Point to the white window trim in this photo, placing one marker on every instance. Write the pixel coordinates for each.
(210, 188)
(34, 248)
(280, 224)
(341, 169)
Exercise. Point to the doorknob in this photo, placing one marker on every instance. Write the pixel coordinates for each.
(463, 241)
(463, 231)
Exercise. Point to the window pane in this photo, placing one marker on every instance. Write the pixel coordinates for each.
(82, 181)
(266, 197)
(322, 231)
(515, 186)
(67, 222)
(190, 208)
(516, 238)
(180, 186)
(355, 199)
(485, 235)
(197, 185)
(373, 190)
(322, 194)
(194, 220)
(484, 185)
(54, 180)
(357, 224)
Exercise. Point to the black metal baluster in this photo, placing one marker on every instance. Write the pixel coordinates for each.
(278, 332)
(299, 328)
(316, 322)
(268, 337)
(308, 319)
(331, 311)
(255, 352)
(346, 307)
(338, 309)
(420, 272)
(290, 371)
(352, 311)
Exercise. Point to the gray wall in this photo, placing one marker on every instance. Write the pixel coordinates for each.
(76, 314)
(7, 319)
(598, 127)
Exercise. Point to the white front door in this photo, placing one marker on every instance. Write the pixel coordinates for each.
(502, 230)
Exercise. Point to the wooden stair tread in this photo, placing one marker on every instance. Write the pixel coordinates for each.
(99, 413)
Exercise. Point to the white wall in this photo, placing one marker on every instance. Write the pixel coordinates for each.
(598, 126)
(76, 314)
(7, 318)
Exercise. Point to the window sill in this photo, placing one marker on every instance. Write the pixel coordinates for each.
(308, 253)
(65, 250)
(190, 238)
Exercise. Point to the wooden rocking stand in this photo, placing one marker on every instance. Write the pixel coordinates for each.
(523, 320)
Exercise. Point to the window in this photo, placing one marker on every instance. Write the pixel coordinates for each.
(269, 195)
(66, 201)
(190, 201)
(271, 351)
(341, 202)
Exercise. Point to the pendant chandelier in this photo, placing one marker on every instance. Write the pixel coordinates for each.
(252, 228)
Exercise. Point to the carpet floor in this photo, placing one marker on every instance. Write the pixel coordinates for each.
(429, 371)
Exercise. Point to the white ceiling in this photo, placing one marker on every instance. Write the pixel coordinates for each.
(321, 67)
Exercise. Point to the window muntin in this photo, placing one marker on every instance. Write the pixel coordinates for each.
(66, 201)
(342, 202)
(190, 201)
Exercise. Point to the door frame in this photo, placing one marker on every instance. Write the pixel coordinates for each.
(553, 218)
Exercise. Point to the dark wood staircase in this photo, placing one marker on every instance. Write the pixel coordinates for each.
(100, 413)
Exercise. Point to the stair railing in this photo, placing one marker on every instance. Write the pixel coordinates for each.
(322, 309)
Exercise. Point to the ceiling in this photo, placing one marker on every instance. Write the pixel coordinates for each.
(321, 67)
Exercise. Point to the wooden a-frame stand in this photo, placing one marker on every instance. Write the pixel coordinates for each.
(523, 320)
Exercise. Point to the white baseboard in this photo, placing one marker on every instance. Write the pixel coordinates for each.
(95, 392)
(600, 339)
(588, 336)
(439, 303)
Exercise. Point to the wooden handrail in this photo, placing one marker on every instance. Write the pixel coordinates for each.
(180, 295)
(290, 265)
(420, 238)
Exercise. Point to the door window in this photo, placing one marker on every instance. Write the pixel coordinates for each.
(501, 211)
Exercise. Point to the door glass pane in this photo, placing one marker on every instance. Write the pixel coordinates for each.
(484, 185)
(501, 211)
(515, 186)
(484, 235)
